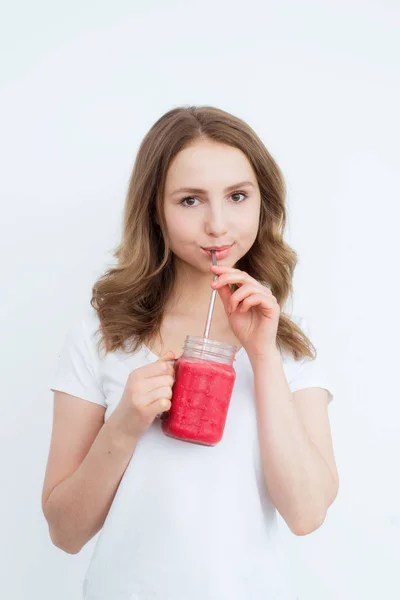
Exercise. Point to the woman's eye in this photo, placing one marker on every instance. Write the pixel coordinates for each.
(239, 194)
(236, 194)
(188, 198)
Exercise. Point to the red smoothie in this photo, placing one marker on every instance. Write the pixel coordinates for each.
(200, 401)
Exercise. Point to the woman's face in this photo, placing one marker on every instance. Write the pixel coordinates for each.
(211, 198)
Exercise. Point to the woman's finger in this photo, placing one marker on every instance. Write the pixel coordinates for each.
(242, 293)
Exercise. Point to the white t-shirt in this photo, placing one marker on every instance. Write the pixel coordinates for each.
(188, 522)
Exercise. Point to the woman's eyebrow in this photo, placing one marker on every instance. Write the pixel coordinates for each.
(201, 191)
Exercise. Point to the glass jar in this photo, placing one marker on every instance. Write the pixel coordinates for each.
(201, 394)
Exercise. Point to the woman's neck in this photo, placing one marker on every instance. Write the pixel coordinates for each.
(193, 305)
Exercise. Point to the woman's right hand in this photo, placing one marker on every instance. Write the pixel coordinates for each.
(148, 392)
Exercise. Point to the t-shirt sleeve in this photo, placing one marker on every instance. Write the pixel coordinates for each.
(77, 371)
(311, 372)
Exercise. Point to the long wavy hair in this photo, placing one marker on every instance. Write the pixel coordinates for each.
(130, 297)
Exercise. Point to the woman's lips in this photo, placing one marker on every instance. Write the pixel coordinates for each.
(219, 254)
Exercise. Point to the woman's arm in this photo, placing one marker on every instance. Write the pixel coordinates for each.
(86, 463)
(296, 446)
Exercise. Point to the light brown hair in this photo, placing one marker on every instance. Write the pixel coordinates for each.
(130, 297)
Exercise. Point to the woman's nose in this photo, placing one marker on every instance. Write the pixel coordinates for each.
(216, 225)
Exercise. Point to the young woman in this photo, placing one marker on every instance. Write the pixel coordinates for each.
(178, 520)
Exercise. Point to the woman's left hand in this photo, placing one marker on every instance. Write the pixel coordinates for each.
(252, 309)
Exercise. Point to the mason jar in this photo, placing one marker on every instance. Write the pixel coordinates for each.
(201, 394)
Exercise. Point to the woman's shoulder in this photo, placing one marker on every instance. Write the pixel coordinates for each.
(83, 333)
(91, 330)
(90, 319)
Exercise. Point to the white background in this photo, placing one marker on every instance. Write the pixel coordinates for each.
(81, 83)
